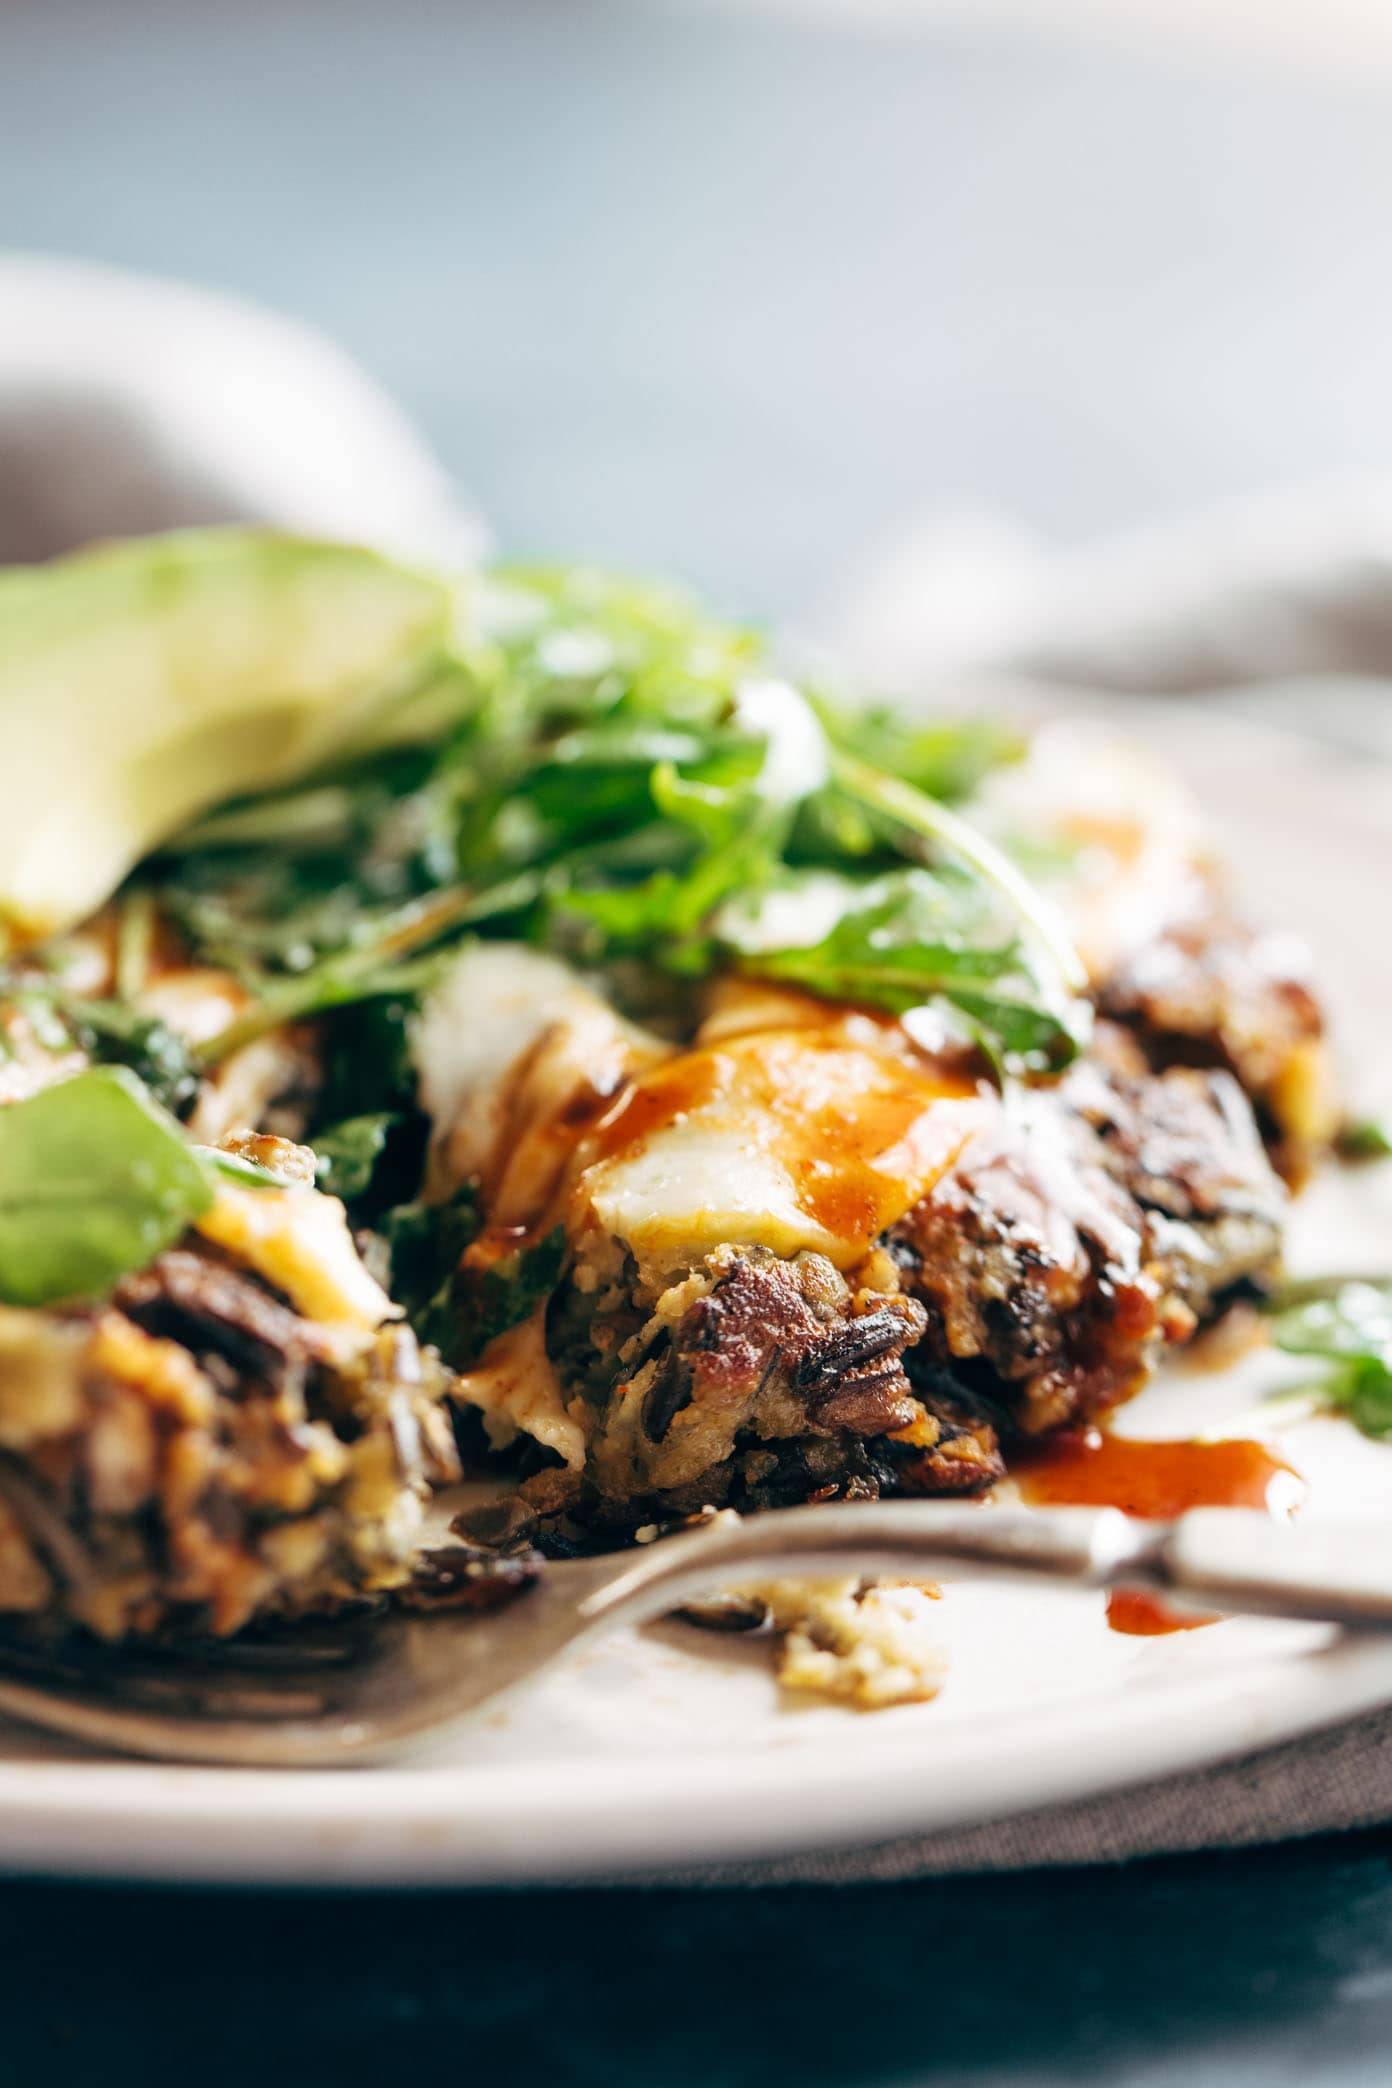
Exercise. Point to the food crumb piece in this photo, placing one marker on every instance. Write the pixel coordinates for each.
(870, 1644)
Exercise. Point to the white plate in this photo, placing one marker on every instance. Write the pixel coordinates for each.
(672, 1748)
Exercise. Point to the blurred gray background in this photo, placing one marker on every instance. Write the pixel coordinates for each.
(738, 295)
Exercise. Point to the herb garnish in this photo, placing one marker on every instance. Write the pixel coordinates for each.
(626, 782)
(1365, 1138)
(1346, 1324)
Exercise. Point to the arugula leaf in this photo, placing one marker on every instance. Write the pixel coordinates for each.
(947, 760)
(1347, 1324)
(574, 641)
(899, 942)
(924, 819)
(733, 845)
(623, 771)
(348, 1152)
(95, 1180)
(370, 969)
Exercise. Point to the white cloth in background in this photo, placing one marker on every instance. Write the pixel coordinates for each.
(128, 404)
(1280, 604)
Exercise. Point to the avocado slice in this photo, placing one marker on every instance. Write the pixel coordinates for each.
(146, 681)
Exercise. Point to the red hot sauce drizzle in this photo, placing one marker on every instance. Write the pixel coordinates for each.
(1156, 1480)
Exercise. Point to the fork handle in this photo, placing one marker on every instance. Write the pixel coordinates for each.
(1232, 1560)
(1241, 1562)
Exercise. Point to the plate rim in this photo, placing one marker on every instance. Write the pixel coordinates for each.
(500, 1823)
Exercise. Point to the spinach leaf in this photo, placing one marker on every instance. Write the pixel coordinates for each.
(426, 1243)
(113, 1033)
(348, 1152)
(455, 1307)
(95, 1179)
(110, 1031)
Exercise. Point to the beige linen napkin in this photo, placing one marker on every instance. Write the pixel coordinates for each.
(130, 404)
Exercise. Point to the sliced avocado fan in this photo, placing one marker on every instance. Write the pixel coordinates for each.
(142, 683)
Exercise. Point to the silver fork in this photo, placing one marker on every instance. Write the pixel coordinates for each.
(359, 1689)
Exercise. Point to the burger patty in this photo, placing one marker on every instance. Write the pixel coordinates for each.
(1210, 991)
(1085, 1229)
(196, 1454)
(1082, 1229)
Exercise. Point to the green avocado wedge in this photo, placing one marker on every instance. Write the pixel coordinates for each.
(144, 682)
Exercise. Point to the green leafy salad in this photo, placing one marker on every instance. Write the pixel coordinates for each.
(620, 780)
(555, 757)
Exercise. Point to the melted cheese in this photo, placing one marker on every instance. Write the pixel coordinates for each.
(511, 1048)
(786, 1139)
(298, 1239)
(789, 1126)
